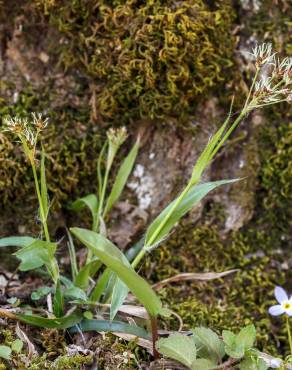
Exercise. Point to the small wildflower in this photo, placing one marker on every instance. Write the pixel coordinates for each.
(263, 54)
(285, 303)
(275, 363)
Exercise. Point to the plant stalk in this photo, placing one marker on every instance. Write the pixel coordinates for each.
(289, 333)
(154, 332)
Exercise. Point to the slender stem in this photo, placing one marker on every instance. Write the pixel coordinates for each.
(154, 332)
(252, 86)
(289, 333)
(30, 156)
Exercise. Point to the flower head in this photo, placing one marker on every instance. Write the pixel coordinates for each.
(285, 303)
(263, 54)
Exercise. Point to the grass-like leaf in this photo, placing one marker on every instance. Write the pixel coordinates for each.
(121, 178)
(193, 197)
(58, 323)
(90, 201)
(110, 326)
(113, 258)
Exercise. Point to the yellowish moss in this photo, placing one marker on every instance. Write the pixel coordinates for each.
(145, 59)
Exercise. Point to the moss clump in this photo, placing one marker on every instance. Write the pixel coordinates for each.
(145, 58)
(57, 361)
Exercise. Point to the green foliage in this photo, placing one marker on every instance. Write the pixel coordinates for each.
(237, 345)
(152, 59)
(113, 258)
(179, 347)
(204, 350)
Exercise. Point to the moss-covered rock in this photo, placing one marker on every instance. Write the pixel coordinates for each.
(145, 58)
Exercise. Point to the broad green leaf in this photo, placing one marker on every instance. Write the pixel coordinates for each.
(229, 338)
(82, 278)
(16, 241)
(203, 364)
(40, 292)
(38, 253)
(246, 337)
(110, 326)
(119, 294)
(57, 323)
(17, 345)
(193, 197)
(89, 201)
(113, 258)
(58, 305)
(211, 340)
(5, 352)
(253, 364)
(178, 347)
(121, 178)
(235, 351)
(44, 189)
(232, 348)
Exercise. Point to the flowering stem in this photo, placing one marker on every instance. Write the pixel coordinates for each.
(289, 333)
(252, 86)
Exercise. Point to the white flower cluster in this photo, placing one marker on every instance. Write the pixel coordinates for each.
(28, 130)
(275, 84)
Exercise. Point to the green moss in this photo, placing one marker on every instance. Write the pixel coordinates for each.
(54, 357)
(145, 58)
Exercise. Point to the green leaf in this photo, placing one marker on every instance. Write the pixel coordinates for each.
(89, 201)
(35, 255)
(72, 254)
(17, 345)
(5, 352)
(229, 338)
(232, 348)
(178, 347)
(121, 178)
(58, 305)
(57, 323)
(110, 326)
(100, 285)
(247, 337)
(210, 340)
(16, 241)
(44, 189)
(40, 292)
(113, 258)
(119, 294)
(203, 364)
(82, 278)
(75, 292)
(253, 364)
(193, 197)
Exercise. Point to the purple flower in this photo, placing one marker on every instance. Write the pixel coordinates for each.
(285, 303)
